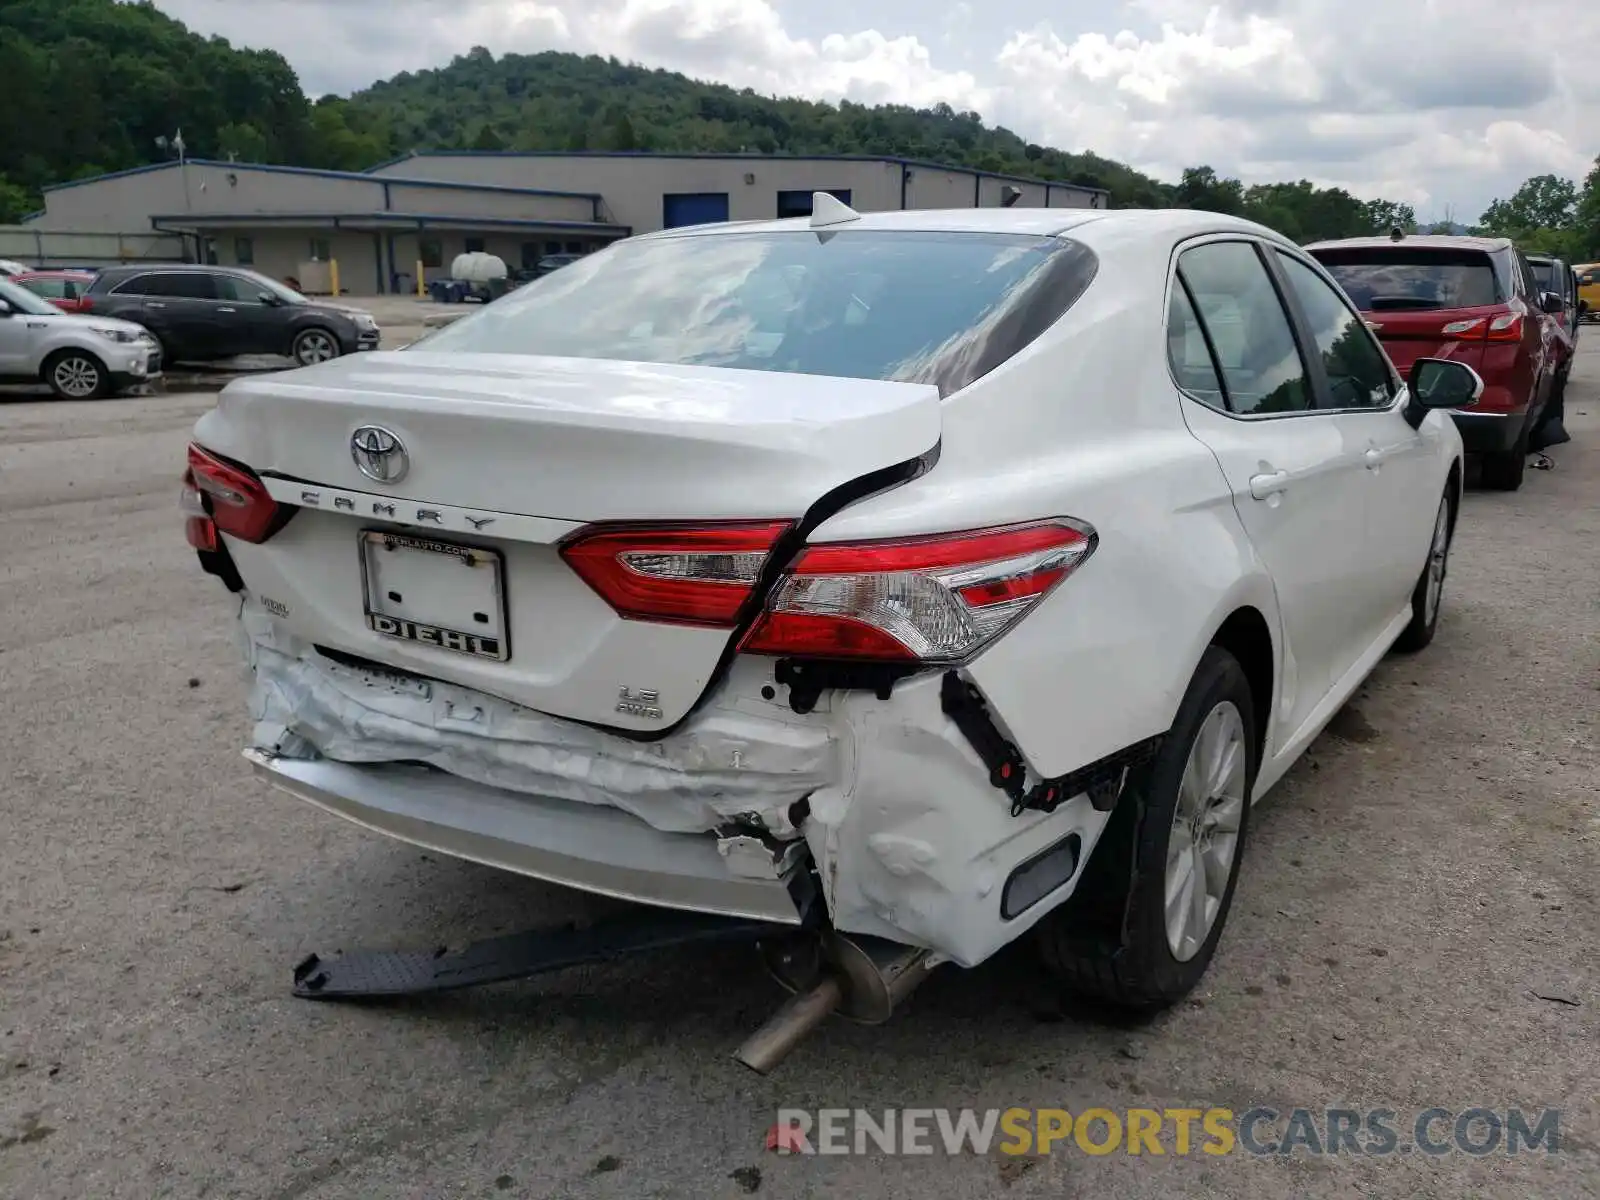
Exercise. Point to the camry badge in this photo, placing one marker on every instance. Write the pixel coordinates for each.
(379, 453)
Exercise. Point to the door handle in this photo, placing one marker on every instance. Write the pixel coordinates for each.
(227, 310)
(1262, 486)
(1373, 458)
(154, 304)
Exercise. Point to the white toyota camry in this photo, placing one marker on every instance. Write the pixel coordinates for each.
(920, 578)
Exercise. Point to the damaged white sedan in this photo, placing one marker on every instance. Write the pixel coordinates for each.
(922, 578)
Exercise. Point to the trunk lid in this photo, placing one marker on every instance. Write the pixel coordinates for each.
(506, 455)
(578, 439)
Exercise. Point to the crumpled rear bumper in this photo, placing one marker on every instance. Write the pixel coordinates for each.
(909, 839)
(602, 850)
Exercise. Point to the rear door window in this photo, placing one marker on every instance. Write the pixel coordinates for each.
(1187, 352)
(1239, 308)
(51, 289)
(1401, 278)
(189, 285)
(1358, 373)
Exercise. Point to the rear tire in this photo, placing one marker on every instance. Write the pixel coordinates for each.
(1503, 471)
(1196, 797)
(315, 345)
(77, 375)
(1428, 597)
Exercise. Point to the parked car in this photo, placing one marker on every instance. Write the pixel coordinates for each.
(554, 262)
(932, 580)
(1589, 289)
(201, 314)
(1558, 279)
(81, 358)
(1467, 299)
(64, 289)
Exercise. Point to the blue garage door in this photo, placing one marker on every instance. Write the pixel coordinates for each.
(693, 208)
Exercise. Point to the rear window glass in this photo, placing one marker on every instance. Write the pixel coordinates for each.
(1407, 277)
(940, 308)
(1544, 272)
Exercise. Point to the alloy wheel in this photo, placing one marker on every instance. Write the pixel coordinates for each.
(1438, 561)
(1205, 830)
(77, 377)
(315, 347)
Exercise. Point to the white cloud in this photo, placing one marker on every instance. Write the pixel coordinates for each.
(1432, 101)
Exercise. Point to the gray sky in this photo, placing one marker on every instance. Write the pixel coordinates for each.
(1435, 102)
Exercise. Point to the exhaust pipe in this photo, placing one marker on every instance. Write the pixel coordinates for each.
(864, 979)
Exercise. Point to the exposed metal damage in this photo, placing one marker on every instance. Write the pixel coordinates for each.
(910, 840)
(725, 766)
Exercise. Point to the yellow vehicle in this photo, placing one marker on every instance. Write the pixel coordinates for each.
(1589, 289)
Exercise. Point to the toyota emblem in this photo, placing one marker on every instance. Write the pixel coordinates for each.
(379, 453)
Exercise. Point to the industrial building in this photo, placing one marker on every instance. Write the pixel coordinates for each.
(416, 213)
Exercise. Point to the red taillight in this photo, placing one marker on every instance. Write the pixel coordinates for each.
(1507, 327)
(198, 527)
(231, 497)
(691, 575)
(930, 599)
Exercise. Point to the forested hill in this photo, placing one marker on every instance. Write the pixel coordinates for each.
(91, 85)
(557, 101)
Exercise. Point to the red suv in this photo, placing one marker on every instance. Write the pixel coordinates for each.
(64, 289)
(1471, 299)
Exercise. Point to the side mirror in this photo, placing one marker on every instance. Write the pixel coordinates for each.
(270, 299)
(1440, 383)
(1552, 303)
(5, 309)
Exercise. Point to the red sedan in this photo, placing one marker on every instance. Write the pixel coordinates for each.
(64, 289)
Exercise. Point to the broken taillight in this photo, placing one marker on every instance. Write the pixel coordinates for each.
(228, 497)
(933, 599)
(698, 574)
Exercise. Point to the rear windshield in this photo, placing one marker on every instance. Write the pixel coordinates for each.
(1545, 272)
(941, 308)
(1381, 278)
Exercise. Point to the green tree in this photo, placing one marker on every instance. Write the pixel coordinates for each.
(487, 139)
(15, 202)
(1200, 188)
(1543, 202)
(1586, 218)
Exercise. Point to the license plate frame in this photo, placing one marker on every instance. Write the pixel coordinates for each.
(493, 645)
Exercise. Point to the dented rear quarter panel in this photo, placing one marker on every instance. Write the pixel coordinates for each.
(1104, 660)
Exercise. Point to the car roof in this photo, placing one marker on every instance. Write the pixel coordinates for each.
(1421, 241)
(142, 268)
(56, 273)
(1163, 223)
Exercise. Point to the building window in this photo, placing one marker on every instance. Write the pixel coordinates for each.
(320, 251)
(210, 252)
(430, 252)
(474, 245)
(574, 247)
(530, 254)
(798, 204)
(552, 247)
(244, 251)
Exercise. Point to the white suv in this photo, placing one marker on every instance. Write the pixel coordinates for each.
(80, 357)
(968, 571)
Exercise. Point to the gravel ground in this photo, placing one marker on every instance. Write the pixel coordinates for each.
(1415, 925)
